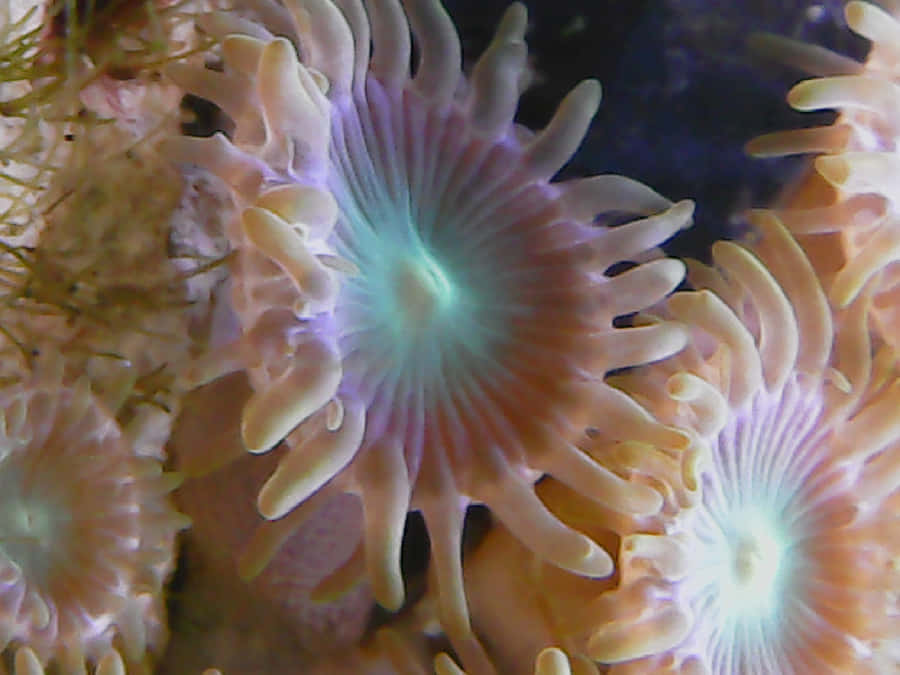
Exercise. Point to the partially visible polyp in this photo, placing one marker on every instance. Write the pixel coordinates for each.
(87, 533)
(426, 316)
(777, 547)
(858, 155)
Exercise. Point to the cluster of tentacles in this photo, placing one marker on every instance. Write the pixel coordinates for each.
(414, 316)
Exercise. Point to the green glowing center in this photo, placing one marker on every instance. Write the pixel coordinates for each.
(31, 522)
(422, 291)
(31, 526)
(424, 306)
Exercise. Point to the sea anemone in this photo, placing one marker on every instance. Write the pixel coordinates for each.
(426, 317)
(776, 550)
(858, 156)
(86, 531)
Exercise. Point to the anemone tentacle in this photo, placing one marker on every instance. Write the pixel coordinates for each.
(427, 316)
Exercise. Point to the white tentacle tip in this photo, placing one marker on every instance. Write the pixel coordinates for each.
(596, 563)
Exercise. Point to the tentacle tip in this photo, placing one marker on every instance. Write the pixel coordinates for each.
(679, 335)
(855, 12)
(552, 661)
(592, 91)
(518, 11)
(390, 594)
(280, 48)
(273, 506)
(757, 147)
(596, 564)
(646, 501)
(249, 567)
(834, 169)
(683, 211)
(676, 271)
(254, 444)
(801, 96)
